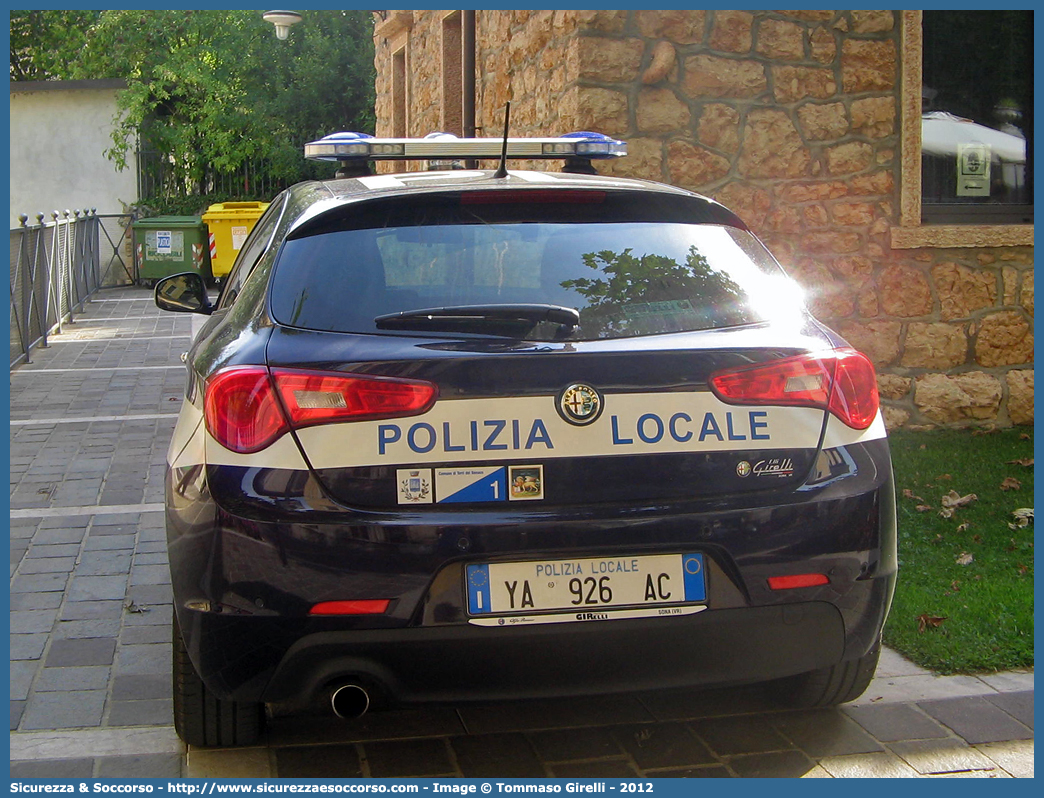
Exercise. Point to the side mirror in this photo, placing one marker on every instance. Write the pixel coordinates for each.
(183, 293)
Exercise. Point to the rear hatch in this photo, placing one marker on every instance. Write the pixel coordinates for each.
(552, 347)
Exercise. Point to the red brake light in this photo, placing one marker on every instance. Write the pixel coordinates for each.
(841, 381)
(313, 397)
(241, 410)
(499, 196)
(854, 399)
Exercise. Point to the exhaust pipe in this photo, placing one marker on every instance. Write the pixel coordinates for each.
(349, 701)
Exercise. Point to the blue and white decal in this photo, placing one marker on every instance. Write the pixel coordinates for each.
(476, 484)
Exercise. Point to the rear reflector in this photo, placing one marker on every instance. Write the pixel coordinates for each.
(797, 580)
(841, 381)
(364, 607)
(247, 408)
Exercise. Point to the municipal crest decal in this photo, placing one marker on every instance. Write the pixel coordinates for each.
(414, 485)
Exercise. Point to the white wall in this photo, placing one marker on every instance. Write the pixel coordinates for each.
(59, 133)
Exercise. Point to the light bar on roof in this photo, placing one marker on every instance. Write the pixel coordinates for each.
(348, 146)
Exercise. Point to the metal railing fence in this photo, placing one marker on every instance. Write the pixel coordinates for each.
(57, 265)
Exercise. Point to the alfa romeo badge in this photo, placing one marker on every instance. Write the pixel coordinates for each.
(579, 404)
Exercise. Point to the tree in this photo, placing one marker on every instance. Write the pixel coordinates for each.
(655, 294)
(211, 91)
(43, 43)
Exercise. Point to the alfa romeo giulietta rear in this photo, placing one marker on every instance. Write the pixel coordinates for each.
(460, 436)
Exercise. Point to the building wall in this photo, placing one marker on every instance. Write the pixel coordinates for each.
(59, 133)
(803, 123)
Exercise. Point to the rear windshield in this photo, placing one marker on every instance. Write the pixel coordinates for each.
(626, 274)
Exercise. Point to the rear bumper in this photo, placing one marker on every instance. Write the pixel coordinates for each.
(454, 663)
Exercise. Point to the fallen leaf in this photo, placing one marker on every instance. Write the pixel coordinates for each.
(954, 499)
(955, 585)
(1022, 461)
(1023, 516)
(924, 620)
(946, 512)
(1022, 569)
(909, 494)
(944, 478)
(1010, 483)
(923, 508)
(963, 527)
(964, 558)
(976, 538)
(1024, 437)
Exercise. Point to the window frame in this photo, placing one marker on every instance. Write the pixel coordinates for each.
(913, 232)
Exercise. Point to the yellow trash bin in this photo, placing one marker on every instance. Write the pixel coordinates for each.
(229, 224)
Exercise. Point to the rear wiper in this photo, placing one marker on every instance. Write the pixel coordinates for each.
(506, 319)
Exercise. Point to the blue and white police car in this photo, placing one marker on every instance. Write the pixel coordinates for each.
(468, 434)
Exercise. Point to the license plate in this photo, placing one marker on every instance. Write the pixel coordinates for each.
(593, 584)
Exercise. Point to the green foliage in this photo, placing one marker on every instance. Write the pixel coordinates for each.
(654, 293)
(212, 90)
(44, 43)
(964, 599)
(182, 204)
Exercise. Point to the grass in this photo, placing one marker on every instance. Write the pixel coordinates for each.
(964, 600)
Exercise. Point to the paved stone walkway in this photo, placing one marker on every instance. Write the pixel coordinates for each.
(90, 625)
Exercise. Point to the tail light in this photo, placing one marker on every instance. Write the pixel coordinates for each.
(841, 381)
(246, 408)
(241, 410)
(314, 397)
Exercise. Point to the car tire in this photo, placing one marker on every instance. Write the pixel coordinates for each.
(203, 719)
(828, 687)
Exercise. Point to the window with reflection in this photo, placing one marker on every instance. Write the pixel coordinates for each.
(977, 117)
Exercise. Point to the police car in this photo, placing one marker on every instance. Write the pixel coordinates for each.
(468, 434)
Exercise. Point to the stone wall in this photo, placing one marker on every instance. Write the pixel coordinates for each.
(525, 58)
(790, 118)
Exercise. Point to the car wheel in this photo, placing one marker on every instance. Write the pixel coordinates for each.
(203, 719)
(826, 687)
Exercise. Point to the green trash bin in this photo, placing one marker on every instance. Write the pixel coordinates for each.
(168, 245)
